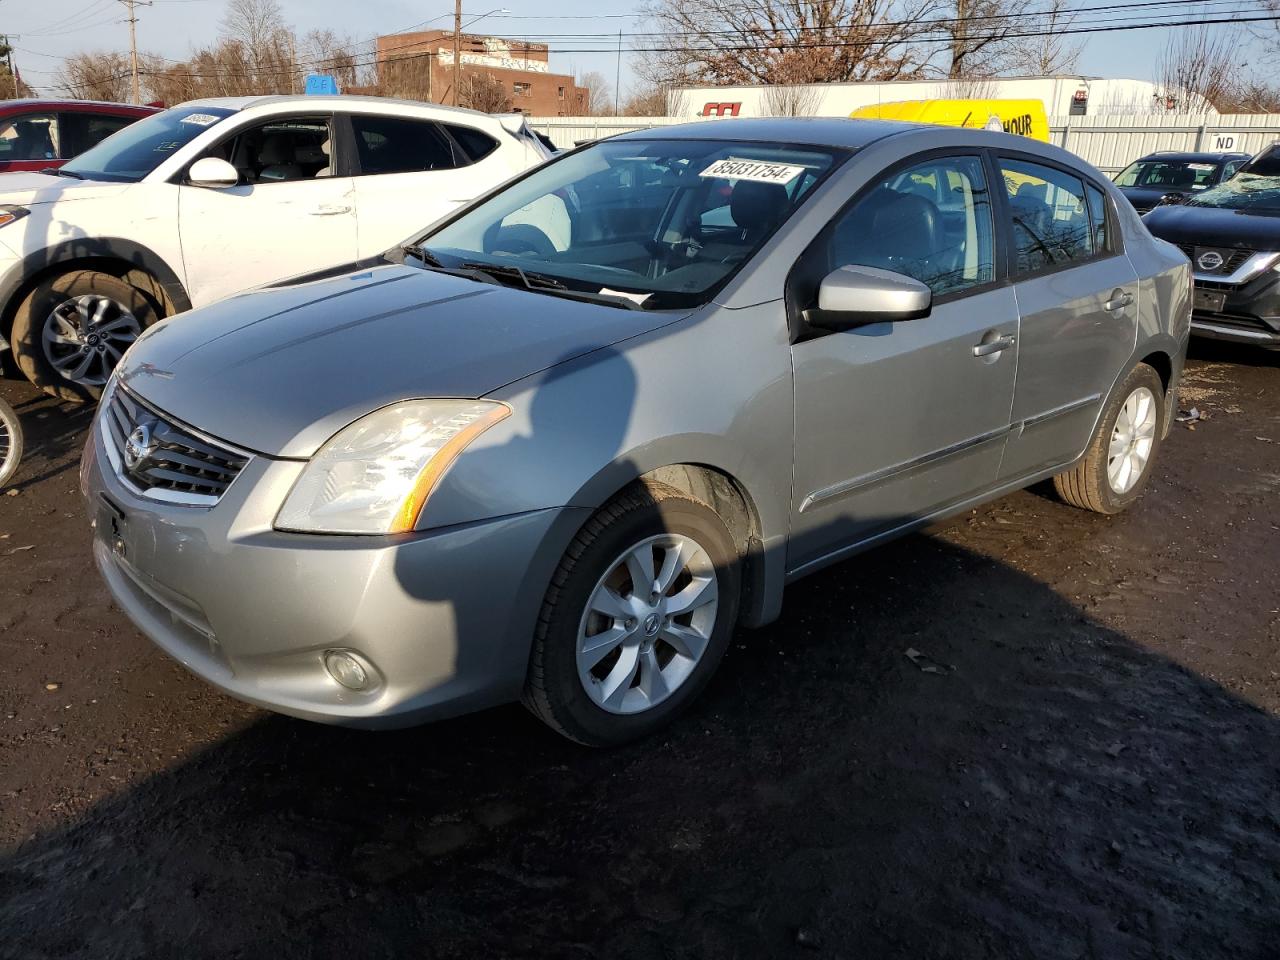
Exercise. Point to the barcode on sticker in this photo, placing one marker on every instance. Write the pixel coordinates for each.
(731, 168)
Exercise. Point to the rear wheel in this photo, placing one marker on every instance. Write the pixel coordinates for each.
(1118, 462)
(637, 617)
(72, 329)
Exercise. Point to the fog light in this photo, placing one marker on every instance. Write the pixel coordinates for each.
(346, 669)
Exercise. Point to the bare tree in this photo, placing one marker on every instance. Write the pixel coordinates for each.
(266, 53)
(1053, 52)
(599, 100)
(1198, 66)
(323, 51)
(96, 75)
(981, 35)
(791, 100)
(482, 91)
(646, 101)
(783, 41)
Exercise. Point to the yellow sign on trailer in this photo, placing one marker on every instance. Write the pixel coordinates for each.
(1023, 117)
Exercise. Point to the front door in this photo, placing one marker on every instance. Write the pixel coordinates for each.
(1078, 299)
(289, 214)
(894, 421)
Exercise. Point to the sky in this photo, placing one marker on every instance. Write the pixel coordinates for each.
(43, 31)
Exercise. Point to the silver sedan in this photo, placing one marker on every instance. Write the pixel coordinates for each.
(561, 445)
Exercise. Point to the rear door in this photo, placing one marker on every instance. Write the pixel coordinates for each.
(895, 421)
(1078, 301)
(292, 211)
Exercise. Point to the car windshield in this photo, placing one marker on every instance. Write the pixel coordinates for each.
(132, 153)
(1254, 189)
(1173, 176)
(658, 223)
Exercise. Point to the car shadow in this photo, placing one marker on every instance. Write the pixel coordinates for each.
(930, 755)
(53, 432)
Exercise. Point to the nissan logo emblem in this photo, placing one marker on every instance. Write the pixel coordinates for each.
(139, 446)
(1209, 260)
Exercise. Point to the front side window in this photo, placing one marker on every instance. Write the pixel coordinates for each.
(31, 137)
(141, 147)
(665, 222)
(284, 149)
(1050, 218)
(397, 145)
(932, 222)
(80, 131)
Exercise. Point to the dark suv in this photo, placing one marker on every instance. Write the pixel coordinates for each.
(38, 134)
(1147, 180)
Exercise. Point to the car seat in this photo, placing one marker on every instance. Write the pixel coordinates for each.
(277, 158)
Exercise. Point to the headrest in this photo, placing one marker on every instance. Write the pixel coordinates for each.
(757, 207)
(276, 149)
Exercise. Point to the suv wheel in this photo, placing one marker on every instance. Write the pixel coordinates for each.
(1118, 462)
(637, 617)
(72, 329)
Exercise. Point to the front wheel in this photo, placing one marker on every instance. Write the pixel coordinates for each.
(637, 617)
(1118, 463)
(10, 443)
(71, 330)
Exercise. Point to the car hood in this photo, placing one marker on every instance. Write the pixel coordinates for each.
(25, 189)
(1214, 227)
(1144, 198)
(281, 370)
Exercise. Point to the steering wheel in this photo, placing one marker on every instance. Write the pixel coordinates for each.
(523, 238)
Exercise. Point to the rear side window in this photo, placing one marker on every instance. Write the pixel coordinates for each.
(397, 145)
(475, 145)
(80, 131)
(1050, 217)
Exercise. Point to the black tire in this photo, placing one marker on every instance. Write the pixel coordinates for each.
(1086, 485)
(34, 312)
(10, 443)
(553, 690)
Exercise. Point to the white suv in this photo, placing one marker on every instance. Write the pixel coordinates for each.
(216, 196)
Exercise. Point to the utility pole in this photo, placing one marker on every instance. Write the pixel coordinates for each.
(133, 43)
(457, 29)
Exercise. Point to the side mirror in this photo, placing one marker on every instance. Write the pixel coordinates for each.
(212, 172)
(1172, 198)
(855, 296)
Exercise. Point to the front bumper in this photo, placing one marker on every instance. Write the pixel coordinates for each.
(1249, 312)
(442, 619)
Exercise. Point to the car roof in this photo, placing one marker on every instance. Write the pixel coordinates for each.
(55, 103)
(311, 101)
(811, 131)
(1192, 156)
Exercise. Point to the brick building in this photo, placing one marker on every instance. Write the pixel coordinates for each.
(420, 66)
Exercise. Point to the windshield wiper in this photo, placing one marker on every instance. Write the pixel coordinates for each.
(549, 285)
(419, 252)
(60, 172)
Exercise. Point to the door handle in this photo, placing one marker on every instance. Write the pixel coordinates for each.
(330, 210)
(1119, 300)
(988, 347)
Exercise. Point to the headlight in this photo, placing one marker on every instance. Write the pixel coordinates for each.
(10, 213)
(375, 475)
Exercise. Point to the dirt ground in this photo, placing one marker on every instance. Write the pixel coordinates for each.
(1093, 771)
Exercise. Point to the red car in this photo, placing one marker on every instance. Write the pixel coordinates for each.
(38, 134)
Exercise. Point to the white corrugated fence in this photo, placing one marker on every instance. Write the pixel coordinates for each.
(1108, 142)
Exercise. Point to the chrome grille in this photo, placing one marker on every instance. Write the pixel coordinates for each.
(163, 459)
(1232, 260)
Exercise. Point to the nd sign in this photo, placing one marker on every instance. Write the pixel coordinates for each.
(1224, 141)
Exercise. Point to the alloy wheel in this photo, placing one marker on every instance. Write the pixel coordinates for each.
(1132, 439)
(84, 337)
(647, 624)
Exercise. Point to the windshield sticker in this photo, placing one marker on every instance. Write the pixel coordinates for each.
(200, 119)
(1199, 166)
(732, 168)
(625, 295)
